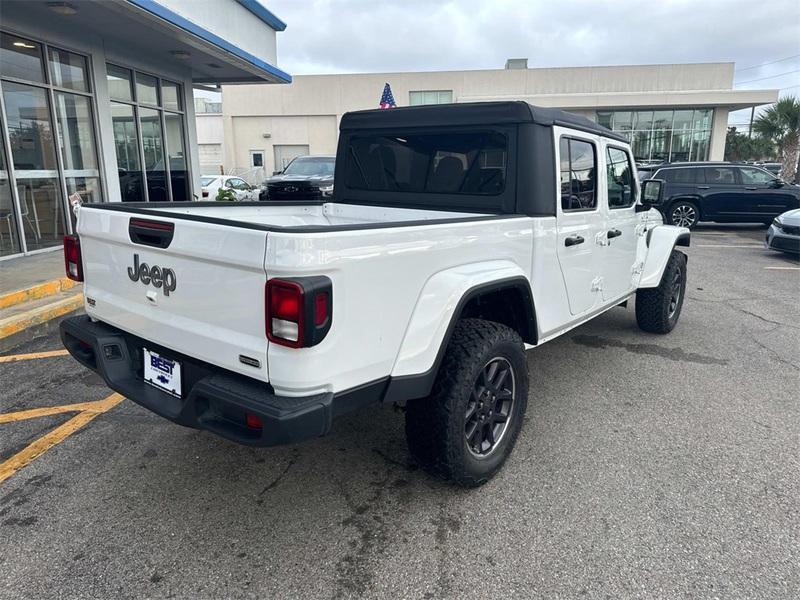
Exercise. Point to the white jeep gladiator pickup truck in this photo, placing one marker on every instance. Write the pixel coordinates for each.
(456, 237)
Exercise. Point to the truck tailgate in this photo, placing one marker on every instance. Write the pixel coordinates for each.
(215, 312)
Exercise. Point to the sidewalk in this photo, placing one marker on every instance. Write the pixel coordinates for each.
(27, 271)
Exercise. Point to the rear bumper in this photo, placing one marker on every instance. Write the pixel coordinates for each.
(213, 399)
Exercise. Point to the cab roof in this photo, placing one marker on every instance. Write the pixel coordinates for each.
(470, 114)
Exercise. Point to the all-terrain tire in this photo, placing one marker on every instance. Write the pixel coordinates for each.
(658, 309)
(435, 426)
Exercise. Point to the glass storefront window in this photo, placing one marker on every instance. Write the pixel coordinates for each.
(88, 188)
(146, 89)
(35, 168)
(663, 135)
(153, 144)
(171, 95)
(9, 234)
(126, 144)
(76, 139)
(20, 58)
(69, 70)
(119, 83)
(178, 173)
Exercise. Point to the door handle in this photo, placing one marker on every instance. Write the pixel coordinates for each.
(702, 187)
(573, 240)
(751, 188)
(614, 233)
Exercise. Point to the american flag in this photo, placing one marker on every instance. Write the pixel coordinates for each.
(387, 100)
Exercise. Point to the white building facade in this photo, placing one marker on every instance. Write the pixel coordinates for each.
(96, 102)
(669, 112)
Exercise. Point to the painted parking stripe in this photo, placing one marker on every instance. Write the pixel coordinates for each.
(32, 355)
(35, 449)
(35, 413)
(783, 268)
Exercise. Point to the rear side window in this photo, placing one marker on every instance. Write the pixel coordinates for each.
(751, 176)
(578, 174)
(680, 175)
(471, 163)
(719, 175)
(621, 189)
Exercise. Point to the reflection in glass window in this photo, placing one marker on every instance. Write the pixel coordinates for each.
(153, 145)
(20, 58)
(621, 188)
(126, 144)
(578, 174)
(171, 95)
(146, 89)
(178, 173)
(29, 128)
(76, 135)
(119, 83)
(663, 135)
(68, 70)
(752, 176)
(9, 234)
(719, 175)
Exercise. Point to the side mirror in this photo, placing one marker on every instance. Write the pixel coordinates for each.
(652, 192)
(277, 172)
(776, 183)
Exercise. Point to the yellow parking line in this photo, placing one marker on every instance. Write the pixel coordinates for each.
(32, 355)
(59, 434)
(33, 413)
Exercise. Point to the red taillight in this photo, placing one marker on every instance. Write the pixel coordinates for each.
(298, 311)
(72, 257)
(285, 300)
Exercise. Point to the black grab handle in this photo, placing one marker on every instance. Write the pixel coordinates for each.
(151, 233)
(573, 240)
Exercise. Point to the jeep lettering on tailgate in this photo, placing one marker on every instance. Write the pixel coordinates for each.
(155, 275)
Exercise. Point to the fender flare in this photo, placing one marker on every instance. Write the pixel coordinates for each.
(661, 241)
(438, 309)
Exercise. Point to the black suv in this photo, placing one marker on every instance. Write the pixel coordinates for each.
(723, 192)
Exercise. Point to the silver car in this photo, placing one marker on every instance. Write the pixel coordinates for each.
(784, 233)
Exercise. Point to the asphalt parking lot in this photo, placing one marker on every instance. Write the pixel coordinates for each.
(660, 467)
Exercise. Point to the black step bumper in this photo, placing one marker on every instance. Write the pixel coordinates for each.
(214, 399)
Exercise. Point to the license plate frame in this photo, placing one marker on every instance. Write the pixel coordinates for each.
(162, 372)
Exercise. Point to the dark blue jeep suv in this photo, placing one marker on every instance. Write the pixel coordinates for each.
(723, 192)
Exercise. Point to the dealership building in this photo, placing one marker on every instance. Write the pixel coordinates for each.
(96, 102)
(669, 112)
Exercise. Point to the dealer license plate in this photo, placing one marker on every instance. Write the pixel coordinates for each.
(162, 372)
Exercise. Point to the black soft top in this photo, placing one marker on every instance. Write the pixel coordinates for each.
(470, 114)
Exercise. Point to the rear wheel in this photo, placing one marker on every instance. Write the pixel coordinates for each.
(467, 427)
(683, 214)
(658, 309)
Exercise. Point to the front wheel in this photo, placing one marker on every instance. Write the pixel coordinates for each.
(683, 214)
(658, 309)
(467, 427)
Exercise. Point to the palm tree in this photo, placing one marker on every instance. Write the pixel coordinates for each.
(781, 123)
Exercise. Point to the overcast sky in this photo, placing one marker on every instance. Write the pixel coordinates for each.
(357, 36)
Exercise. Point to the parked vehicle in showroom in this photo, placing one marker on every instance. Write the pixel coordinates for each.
(457, 236)
(724, 193)
(242, 190)
(304, 178)
(784, 233)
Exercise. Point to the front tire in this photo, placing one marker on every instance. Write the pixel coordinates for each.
(469, 424)
(683, 214)
(658, 309)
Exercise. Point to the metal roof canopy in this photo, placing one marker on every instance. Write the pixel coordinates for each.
(146, 28)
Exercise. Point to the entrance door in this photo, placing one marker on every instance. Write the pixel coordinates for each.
(580, 220)
(284, 154)
(619, 255)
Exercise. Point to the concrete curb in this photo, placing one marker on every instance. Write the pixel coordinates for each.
(48, 288)
(11, 326)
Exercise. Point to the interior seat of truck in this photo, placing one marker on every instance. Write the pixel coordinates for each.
(447, 176)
